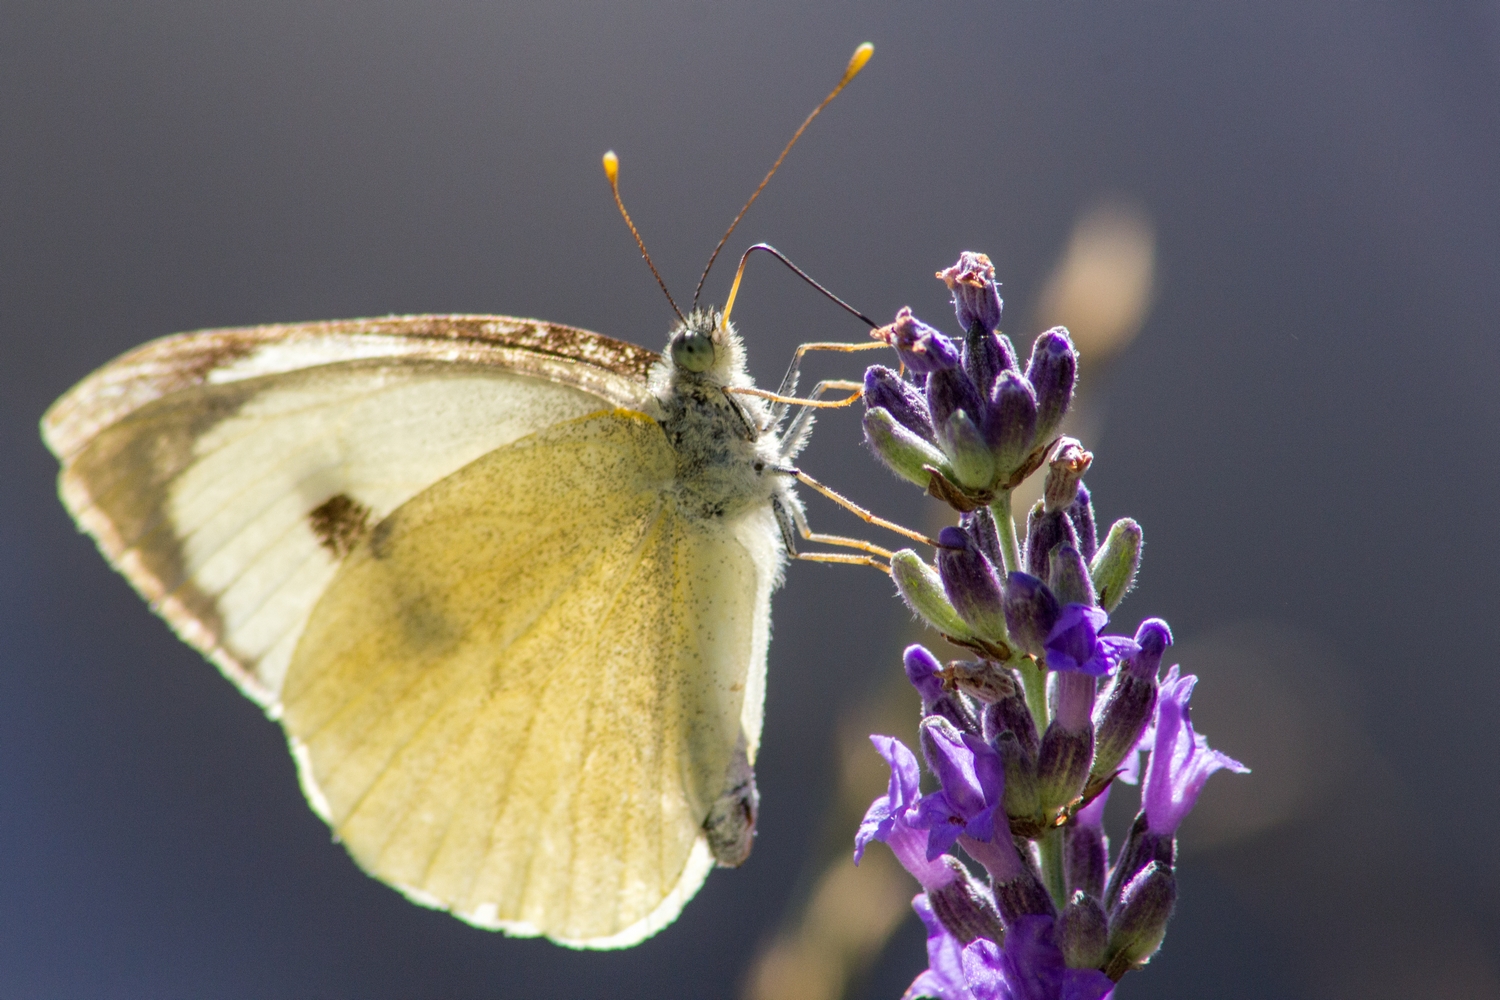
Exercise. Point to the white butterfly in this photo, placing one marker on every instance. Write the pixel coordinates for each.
(505, 584)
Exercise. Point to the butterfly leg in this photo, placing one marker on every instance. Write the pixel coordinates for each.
(855, 508)
(789, 383)
(794, 523)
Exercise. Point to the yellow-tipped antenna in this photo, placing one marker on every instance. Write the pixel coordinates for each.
(612, 171)
(856, 63)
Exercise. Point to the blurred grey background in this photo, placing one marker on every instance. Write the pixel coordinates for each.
(1305, 423)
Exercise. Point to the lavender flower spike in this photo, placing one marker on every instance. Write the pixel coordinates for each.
(1075, 643)
(920, 347)
(1029, 967)
(1181, 760)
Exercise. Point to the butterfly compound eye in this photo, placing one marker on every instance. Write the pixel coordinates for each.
(693, 351)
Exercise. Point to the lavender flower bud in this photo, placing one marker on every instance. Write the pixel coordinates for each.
(901, 450)
(1081, 514)
(1064, 473)
(949, 391)
(1085, 859)
(1022, 797)
(922, 590)
(1062, 764)
(1022, 896)
(1139, 922)
(1141, 848)
(986, 356)
(965, 907)
(1115, 564)
(925, 674)
(1031, 611)
(980, 524)
(1011, 420)
(1011, 715)
(1130, 702)
(972, 461)
(1083, 933)
(976, 296)
(1044, 532)
(1069, 578)
(1053, 372)
(920, 348)
(971, 585)
(890, 392)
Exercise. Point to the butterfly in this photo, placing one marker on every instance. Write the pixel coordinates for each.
(504, 583)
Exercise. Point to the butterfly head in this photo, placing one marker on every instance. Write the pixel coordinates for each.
(704, 348)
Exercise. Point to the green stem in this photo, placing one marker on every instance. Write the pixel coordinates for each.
(1034, 683)
(1010, 549)
(1050, 847)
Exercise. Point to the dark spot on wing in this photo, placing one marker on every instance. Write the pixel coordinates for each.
(339, 522)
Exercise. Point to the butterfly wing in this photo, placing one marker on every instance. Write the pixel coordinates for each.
(227, 472)
(521, 694)
(550, 776)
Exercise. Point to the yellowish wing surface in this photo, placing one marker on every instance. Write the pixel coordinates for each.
(226, 473)
(521, 692)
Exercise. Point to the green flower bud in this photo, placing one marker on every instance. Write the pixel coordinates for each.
(973, 462)
(922, 590)
(903, 452)
(1115, 564)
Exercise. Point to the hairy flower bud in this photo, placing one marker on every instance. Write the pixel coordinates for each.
(1010, 422)
(920, 347)
(1130, 702)
(949, 391)
(1081, 514)
(980, 524)
(1065, 471)
(1141, 848)
(901, 450)
(924, 672)
(976, 294)
(1031, 612)
(1045, 532)
(888, 391)
(1068, 576)
(1052, 372)
(1062, 766)
(1010, 714)
(922, 589)
(1138, 924)
(971, 585)
(1083, 932)
(972, 461)
(965, 907)
(1115, 564)
(1022, 797)
(1085, 859)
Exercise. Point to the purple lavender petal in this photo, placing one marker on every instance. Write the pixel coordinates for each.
(901, 793)
(1181, 760)
(1074, 642)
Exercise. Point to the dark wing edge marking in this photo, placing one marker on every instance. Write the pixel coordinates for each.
(182, 361)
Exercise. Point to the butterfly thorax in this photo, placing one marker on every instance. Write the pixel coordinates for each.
(725, 446)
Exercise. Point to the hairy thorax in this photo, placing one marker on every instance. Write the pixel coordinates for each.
(723, 459)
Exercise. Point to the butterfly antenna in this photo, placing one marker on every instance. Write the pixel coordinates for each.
(734, 289)
(856, 63)
(612, 171)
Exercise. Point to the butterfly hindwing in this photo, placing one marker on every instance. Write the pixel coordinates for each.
(563, 664)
